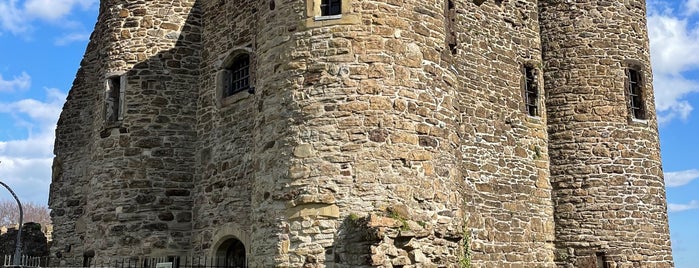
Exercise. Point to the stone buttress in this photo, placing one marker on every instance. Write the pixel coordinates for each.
(609, 194)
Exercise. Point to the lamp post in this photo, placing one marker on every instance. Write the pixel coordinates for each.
(18, 242)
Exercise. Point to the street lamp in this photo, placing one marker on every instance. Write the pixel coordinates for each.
(18, 243)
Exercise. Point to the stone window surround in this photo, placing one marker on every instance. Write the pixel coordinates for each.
(121, 103)
(637, 66)
(225, 61)
(315, 19)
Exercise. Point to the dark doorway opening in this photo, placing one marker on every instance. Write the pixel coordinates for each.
(232, 254)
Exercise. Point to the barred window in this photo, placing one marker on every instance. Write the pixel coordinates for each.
(531, 91)
(330, 7)
(635, 91)
(237, 77)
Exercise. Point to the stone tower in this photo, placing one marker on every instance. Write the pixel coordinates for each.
(606, 172)
(358, 133)
(125, 145)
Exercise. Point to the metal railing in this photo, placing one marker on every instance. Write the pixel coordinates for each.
(168, 262)
(24, 260)
(128, 262)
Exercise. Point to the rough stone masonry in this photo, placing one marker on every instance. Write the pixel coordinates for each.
(363, 133)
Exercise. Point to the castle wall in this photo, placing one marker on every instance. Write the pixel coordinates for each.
(396, 134)
(136, 193)
(504, 149)
(222, 201)
(605, 165)
(354, 128)
(68, 194)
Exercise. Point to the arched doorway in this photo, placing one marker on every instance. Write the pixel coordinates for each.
(231, 253)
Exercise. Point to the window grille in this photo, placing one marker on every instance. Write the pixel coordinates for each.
(635, 91)
(238, 76)
(531, 91)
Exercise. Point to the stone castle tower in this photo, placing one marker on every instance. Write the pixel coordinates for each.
(361, 133)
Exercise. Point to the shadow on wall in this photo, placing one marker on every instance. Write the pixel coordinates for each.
(138, 154)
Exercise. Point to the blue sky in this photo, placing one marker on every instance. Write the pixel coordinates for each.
(42, 42)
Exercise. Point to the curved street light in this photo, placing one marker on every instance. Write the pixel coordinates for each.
(18, 242)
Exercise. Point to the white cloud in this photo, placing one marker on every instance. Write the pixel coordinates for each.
(674, 42)
(17, 16)
(26, 163)
(692, 7)
(13, 18)
(694, 204)
(28, 177)
(38, 110)
(680, 178)
(53, 9)
(70, 38)
(18, 82)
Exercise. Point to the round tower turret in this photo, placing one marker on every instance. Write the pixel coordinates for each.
(346, 148)
(609, 196)
(143, 69)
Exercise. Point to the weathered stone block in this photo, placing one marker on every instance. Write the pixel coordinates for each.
(418, 107)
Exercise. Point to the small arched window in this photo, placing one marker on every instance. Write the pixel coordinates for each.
(236, 77)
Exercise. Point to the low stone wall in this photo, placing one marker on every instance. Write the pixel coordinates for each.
(34, 241)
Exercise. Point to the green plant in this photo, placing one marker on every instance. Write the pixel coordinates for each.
(465, 261)
(537, 153)
(353, 220)
(404, 222)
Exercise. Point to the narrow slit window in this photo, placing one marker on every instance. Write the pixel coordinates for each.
(531, 91)
(113, 100)
(601, 260)
(237, 76)
(635, 90)
(330, 7)
(450, 20)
